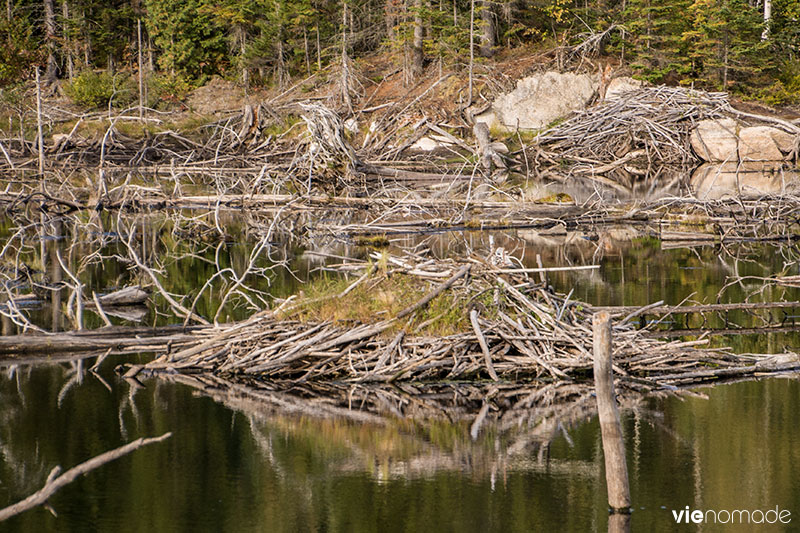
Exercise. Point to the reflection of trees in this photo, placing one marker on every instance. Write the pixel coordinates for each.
(220, 264)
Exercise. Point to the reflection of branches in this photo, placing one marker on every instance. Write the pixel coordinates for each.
(239, 280)
(177, 307)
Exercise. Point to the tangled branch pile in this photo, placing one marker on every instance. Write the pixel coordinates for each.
(637, 130)
(517, 329)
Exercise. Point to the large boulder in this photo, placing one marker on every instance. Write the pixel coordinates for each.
(621, 85)
(716, 141)
(764, 143)
(543, 98)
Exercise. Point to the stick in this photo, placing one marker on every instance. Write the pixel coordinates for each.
(473, 317)
(55, 482)
(100, 310)
(546, 269)
(436, 292)
(39, 134)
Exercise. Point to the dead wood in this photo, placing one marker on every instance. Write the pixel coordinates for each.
(533, 333)
(56, 482)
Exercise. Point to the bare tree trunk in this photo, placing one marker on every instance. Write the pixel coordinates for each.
(417, 53)
(319, 49)
(508, 16)
(67, 40)
(726, 45)
(471, 48)
(345, 74)
(39, 135)
(51, 71)
(305, 50)
(767, 19)
(488, 32)
(141, 74)
(389, 19)
(87, 41)
(151, 65)
(242, 38)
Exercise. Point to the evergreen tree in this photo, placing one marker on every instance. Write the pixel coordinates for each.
(191, 42)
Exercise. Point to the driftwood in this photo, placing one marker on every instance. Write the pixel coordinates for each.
(126, 296)
(705, 308)
(57, 481)
(116, 337)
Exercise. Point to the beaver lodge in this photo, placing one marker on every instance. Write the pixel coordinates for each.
(503, 324)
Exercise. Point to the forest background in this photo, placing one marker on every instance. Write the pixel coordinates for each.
(747, 47)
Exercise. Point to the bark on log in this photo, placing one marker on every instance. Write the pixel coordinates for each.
(116, 337)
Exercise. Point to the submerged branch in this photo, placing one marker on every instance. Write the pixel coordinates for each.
(56, 482)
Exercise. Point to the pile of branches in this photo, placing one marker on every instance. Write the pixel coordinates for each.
(636, 132)
(528, 332)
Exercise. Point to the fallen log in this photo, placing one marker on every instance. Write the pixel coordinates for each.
(115, 337)
(705, 308)
(125, 296)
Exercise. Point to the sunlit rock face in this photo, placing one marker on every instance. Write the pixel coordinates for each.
(764, 143)
(621, 85)
(543, 98)
(712, 182)
(725, 140)
(716, 141)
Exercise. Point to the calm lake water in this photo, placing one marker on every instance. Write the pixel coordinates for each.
(263, 467)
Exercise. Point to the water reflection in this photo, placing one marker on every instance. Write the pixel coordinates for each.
(743, 179)
(249, 461)
(402, 458)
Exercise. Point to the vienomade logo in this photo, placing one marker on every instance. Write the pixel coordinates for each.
(737, 516)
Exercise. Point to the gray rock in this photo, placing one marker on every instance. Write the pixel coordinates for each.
(543, 98)
(488, 117)
(622, 85)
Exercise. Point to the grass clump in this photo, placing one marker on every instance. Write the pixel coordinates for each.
(382, 296)
(372, 241)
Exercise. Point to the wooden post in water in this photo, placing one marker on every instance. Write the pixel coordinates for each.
(619, 497)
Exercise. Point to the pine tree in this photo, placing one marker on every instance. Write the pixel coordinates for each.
(191, 41)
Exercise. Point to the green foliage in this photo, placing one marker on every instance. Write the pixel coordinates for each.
(654, 38)
(786, 90)
(713, 44)
(708, 43)
(92, 89)
(189, 36)
(167, 89)
(19, 48)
